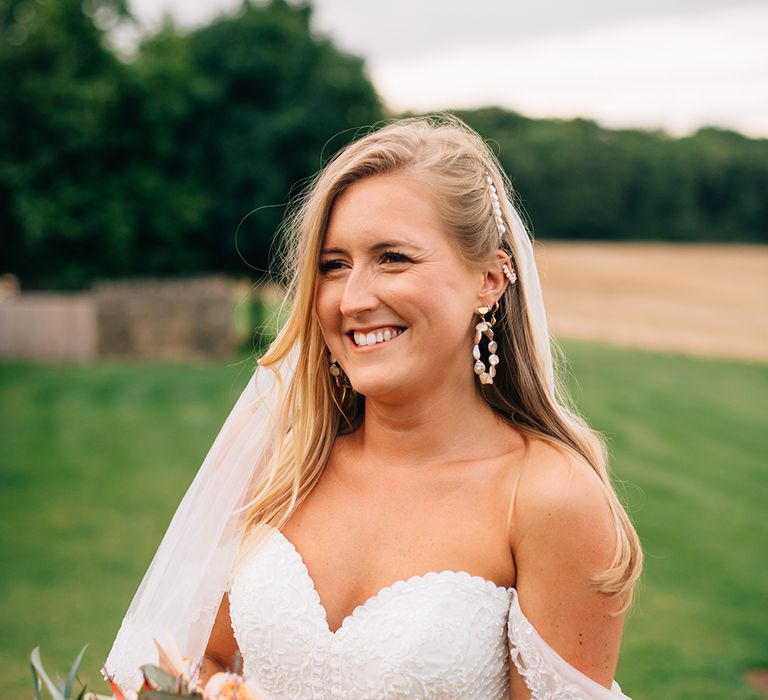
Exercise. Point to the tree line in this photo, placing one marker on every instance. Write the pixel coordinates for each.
(579, 181)
(179, 158)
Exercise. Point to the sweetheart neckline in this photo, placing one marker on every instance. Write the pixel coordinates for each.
(377, 597)
(521, 632)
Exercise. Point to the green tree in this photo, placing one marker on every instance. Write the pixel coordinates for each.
(275, 95)
(59, 84)
(111, 168)
(577, 180)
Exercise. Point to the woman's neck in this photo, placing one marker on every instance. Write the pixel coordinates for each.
(452, 423)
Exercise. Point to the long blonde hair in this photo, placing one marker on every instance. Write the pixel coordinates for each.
(454, 160)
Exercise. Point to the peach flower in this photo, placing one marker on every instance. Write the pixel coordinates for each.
(230, 686)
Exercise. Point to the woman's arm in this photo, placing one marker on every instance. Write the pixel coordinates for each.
(562, 534)
(222, 646)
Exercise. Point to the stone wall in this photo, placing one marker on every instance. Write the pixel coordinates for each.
(48, 327)
(166, 319)
(187, 319)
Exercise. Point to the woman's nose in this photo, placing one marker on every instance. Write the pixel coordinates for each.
(359, 294)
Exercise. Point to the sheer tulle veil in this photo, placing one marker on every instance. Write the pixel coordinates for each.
(180, 593)
(182, 589)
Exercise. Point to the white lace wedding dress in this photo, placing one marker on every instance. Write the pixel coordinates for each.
(439, 635)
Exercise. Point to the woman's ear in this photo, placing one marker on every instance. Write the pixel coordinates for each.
(494, 281)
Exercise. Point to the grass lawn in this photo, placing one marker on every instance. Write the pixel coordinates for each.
(93, 461)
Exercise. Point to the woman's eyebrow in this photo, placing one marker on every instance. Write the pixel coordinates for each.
(375, 247)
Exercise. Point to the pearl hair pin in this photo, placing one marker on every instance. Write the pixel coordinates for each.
(496, 206)
(509, 271)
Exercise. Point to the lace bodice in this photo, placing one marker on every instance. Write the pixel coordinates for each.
(439, 635)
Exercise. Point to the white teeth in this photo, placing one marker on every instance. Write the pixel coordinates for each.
(374, 337)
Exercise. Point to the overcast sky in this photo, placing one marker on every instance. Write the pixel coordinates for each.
(674, 64)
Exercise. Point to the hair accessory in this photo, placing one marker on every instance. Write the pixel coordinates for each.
(511, 275)
(342, 381)
(335, 369)
(509, 270)
(496, 205)
(481, 329)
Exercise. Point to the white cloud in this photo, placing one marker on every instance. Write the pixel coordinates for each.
(676, 73)
(674, 64)
(186, 12)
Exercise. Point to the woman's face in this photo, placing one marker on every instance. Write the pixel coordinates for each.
(388, 270)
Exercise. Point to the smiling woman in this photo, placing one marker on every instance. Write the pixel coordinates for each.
(378, 280)
(401, 504)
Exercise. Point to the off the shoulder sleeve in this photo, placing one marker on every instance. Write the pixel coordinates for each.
(547, 675)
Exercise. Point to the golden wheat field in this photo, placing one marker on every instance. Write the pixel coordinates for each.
(703, 299)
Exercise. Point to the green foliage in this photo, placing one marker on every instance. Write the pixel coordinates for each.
(59, 89)
(163, 684)
(180, 159)
(60, 690)
(580, 181)
(147, 167)
(275, 95)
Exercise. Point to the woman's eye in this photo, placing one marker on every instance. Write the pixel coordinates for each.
(328, 265)
(394, 257)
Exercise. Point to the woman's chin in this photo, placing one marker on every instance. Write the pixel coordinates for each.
(377, 385)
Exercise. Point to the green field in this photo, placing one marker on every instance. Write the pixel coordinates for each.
(94, 459)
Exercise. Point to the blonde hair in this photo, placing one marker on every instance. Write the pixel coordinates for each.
(453, 160)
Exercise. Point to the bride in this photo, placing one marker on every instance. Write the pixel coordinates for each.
(401, 503)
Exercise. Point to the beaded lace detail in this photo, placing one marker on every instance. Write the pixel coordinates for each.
(547, 675)
(440, 635)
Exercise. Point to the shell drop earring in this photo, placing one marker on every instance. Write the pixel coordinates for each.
(342, 381)
(483, 328)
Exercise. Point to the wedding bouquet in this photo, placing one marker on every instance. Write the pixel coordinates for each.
(173, 677)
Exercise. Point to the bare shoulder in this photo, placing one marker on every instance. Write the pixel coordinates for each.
(561, 498)
(564, 534)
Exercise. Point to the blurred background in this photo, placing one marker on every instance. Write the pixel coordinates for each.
(147, 152)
